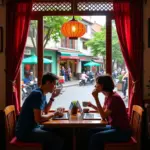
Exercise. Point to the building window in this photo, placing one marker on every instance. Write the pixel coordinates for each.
(84, 45)
(64, 42)
(67, 43)
(48, 67)
(70, 43)
(86, 28)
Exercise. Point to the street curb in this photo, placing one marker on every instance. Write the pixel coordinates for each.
(71, 85)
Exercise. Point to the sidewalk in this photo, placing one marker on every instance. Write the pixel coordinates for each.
(71, 83)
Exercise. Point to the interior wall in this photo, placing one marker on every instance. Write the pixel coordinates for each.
(2, 58)
(146, 49)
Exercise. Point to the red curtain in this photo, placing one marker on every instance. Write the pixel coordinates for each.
(17, 24)
(129, 24)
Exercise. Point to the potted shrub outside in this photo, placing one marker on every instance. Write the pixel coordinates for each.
(120, 83)
(74, 109)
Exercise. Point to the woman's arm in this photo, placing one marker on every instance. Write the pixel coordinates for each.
(104, 113)
(92, 106)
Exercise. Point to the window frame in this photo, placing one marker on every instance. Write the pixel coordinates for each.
(38, 16)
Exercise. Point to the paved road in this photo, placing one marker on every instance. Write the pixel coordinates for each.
(80, 93)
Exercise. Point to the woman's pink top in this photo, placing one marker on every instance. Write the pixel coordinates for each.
(118, 117)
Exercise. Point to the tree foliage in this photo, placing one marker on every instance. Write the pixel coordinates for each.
(98, 45)
(52, 28)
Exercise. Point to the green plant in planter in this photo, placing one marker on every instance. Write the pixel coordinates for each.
(74, 103)
(120, 78)
(120, 83)
(74, 108)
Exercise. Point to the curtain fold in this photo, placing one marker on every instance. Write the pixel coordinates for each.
(129, 24)
(17, 24)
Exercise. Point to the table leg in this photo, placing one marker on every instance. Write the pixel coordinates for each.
(74, 139)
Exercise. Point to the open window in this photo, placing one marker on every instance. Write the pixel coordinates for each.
(58, 51)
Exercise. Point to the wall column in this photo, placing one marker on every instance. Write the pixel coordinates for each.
(78, 69)
(58, 64)
(40, 50)
(108, 45)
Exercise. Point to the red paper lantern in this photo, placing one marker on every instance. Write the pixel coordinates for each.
(73, 29)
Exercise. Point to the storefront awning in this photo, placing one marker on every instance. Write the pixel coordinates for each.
(68, 55)
(72, 54)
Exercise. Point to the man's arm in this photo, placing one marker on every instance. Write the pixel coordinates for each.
(39, 117)
(49, 105)
(54, 94)
(38, 108)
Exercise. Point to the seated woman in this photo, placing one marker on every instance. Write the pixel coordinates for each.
(114, 111)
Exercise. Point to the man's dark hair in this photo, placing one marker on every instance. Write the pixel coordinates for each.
(49, 77)
(107, 82)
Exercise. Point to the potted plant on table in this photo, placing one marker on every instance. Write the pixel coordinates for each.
(74, 109)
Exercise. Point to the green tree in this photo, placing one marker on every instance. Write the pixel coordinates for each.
(98, 45)
(52, 28)
(116, 51)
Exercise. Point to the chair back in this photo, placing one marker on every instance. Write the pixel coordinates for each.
(147, 131)
(136, 123)
(10, 122)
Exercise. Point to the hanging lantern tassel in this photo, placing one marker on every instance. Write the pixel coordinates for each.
(73, 29)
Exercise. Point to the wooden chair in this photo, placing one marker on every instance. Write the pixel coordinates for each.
(135, 141)
(11, 141)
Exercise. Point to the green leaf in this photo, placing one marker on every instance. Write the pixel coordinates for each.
(52, 26)
(98, 45)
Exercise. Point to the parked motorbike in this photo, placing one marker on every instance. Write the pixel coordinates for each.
(82, 82)
(27, 89)
(90, 80)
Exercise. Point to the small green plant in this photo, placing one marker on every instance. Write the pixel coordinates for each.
(74, 107)
(120, 78)
(74, 103)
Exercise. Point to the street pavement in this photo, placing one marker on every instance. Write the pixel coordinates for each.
(76, 92)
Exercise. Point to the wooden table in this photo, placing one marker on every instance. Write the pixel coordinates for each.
(75, 122)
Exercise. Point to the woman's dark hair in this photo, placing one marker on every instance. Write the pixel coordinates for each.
(49, 77)
(107, 82)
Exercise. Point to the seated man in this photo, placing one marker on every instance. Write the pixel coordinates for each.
(34, 111)
(31, 77)
(26, 80)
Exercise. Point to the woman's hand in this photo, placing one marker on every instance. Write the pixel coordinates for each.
(95, 93)
(92, 106)
(89, 104)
